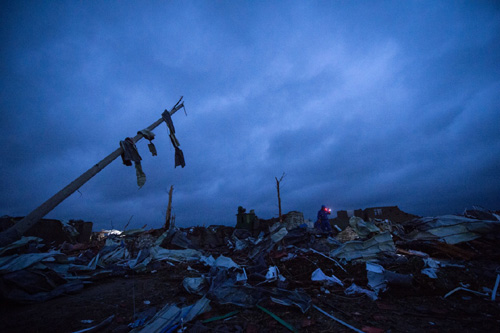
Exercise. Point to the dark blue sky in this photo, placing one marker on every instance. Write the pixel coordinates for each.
(361, 104)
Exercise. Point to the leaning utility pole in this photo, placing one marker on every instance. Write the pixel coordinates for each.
(18, 229)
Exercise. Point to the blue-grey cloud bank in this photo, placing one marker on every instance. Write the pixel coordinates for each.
(361, 104)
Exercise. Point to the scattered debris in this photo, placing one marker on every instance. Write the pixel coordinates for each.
(98, 327)
(465, 289)
(452, 229)
(216, 278)
(337, 320)
(365, 249)
(318, 275)
(278, 319)
(495, 288)
(171, 317)
(354, 289)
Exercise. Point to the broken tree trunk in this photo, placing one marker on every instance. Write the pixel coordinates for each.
(169, 207)
(18, 229)
(278, 181)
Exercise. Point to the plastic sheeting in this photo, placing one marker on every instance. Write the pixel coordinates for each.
(221, 261)
(318, 275)
(273, 274)
(431, 268)
(194, 285)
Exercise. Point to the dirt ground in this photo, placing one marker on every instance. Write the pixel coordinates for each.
(420, 308)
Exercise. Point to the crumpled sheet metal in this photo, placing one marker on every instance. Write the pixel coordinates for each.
(361, 227)
(376, 278)
(228, 293)
(247, 296)
(292, 297)
(279, 234)
(379, 278)
(346, 235)
(170, 317)
(355, 289)
(20, 296)
(181, 240)
(224, 290)
(37, 283)
(120, 255)
(160, 253)
(142, 260)
(20, 243)
(365, 249)
(221, 261)
(17, 262)
(116, 255)
(451, 229)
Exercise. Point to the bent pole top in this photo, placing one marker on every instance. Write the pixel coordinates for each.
(19, 228)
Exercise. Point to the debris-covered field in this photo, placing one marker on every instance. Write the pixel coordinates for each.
(428, 274)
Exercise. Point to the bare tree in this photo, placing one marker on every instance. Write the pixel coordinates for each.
(278, 181)
(169, 207)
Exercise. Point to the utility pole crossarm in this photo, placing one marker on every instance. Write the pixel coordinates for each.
(18, 229)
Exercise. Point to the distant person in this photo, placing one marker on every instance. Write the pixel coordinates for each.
(323, 224)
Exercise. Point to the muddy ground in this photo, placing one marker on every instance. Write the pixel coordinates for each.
(418, 308)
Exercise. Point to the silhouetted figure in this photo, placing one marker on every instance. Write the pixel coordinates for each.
(323, 224)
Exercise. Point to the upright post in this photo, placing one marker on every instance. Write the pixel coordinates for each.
(169, 207)
(278, 181)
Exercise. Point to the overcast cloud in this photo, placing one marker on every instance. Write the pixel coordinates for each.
(361, 104)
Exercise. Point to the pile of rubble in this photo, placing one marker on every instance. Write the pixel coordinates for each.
(373, 276)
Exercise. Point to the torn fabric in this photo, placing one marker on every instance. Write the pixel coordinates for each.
(129, 155)
(170, 124)
(148, 135)
(179, 158)
(141, 176)
(179, 155)
(168, 120)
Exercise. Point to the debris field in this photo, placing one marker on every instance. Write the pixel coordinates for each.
(433, 274)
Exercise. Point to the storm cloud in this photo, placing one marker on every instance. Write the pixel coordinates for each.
(361, 104)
